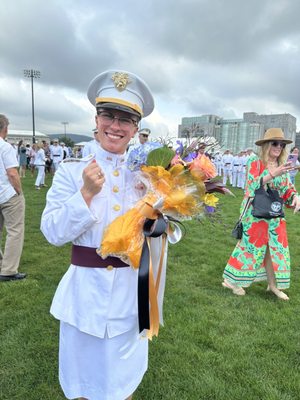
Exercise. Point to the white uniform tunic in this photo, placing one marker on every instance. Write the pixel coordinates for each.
(98, 302)
(56, 155)
(235, 169)
(227, 168)
(242, 174)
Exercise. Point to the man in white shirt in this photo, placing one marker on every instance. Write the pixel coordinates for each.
(12, 208)
(15, 147)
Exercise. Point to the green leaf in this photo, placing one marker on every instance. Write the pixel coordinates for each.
(161, 156)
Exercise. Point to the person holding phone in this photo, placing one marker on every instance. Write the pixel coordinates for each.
(263, 251)
(293, 158)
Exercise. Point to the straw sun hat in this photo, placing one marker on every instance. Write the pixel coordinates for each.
(273, 134)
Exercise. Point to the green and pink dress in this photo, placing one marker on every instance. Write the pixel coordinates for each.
(246, 264)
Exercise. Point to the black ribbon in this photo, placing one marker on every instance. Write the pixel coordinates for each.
(151, 228)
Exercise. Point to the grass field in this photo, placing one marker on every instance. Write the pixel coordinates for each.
(214, 346)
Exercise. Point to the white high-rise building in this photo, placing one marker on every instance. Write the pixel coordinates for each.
(237, 134)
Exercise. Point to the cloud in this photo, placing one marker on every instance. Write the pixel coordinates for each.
(198, 57)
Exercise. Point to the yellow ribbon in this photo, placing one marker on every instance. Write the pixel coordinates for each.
(154, 288)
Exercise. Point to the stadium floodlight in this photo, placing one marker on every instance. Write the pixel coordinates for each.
(32, 74)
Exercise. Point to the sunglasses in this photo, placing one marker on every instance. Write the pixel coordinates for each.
(141, 134)
(276, 144)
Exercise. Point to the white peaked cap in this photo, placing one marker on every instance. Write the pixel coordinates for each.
(121, 90)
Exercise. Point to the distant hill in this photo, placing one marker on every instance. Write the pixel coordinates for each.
(75, 138)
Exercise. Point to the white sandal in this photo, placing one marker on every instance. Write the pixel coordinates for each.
(239, 291)
(281, 295)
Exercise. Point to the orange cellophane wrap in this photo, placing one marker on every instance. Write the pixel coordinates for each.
(179, 189)
(124, 237)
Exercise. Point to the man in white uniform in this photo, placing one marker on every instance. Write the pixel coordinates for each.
(101, 356)
(56, 155)
(65, 150)
(227, 167)
(143, 139)
(12, 208)
(242, 176)
(92, 146)
(235, 169)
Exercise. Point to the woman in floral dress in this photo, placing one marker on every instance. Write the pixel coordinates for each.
(263, 252)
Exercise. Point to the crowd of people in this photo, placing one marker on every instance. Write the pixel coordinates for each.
(102, 352)
(233, 167)
(42, 157)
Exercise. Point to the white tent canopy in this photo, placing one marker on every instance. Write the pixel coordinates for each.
(81, 144)
(26, 136)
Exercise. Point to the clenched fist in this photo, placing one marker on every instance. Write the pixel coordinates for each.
(93, 180)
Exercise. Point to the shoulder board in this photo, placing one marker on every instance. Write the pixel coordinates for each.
(83, 159)
(68, 160)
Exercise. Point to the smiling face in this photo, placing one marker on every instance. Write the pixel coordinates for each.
(114, 135)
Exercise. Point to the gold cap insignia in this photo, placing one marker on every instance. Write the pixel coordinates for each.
(121, 80)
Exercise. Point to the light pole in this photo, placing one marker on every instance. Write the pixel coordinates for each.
(31, 73)
(65, 124)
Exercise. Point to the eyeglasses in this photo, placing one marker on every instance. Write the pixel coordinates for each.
(143, 135)
(276, 144)
(124, 122)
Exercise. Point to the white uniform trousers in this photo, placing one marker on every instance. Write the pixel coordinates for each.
(40, 179)
(227, 174)
(242, 178)
(234, 175)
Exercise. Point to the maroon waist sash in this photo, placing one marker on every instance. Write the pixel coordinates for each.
(87, 257)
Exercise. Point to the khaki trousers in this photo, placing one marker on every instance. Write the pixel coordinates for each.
(12, 215)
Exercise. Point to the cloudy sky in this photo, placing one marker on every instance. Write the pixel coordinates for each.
(198, 57)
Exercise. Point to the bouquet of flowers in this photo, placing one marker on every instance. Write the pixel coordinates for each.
(176, 185)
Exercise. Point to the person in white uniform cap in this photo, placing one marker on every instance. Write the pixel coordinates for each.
(92, 146)
(56, 155)
(102, 356)
(144, 135)
(142, 144)
(227, 167)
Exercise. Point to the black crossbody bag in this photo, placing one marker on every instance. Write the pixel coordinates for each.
(237, 231)
(267, 203)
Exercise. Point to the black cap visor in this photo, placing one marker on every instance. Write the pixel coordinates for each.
(118, 107)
